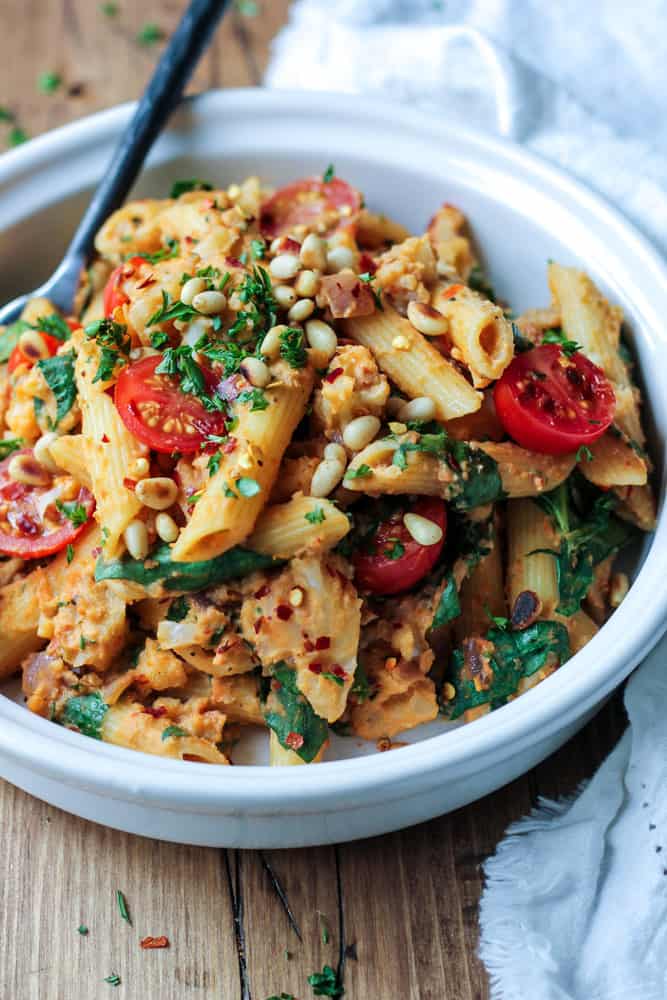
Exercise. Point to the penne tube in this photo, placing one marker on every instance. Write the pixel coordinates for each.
(481, 336)
(416, 367)
(71, 453)
(453, 248)
(126, 724)
(482, 594)
(637, 505)
(226, 513)
(529, 528)
(613, 462)
(302, 524)
(527, 473)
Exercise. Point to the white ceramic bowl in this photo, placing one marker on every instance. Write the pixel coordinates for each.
(523, 212)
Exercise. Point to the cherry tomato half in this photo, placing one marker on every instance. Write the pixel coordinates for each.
(154, 408)
(307, 203)
(552, 403)
(32, 526)
(21, 357)
(396, 561)
(114, 295)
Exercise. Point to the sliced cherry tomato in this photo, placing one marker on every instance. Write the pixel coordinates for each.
(21, 357)
(114, 295)
(396, 561)
(155, 410)
(309, 202)
(31, 526)
(552, 403)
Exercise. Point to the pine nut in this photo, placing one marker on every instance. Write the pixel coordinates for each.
(338, 259)
(423, 531)
(191, 288)
(400, 343)
(326, 478)
(233, 191)
(421, 408)
(139, 469)
(285, 266)
(360, 432)
(308, 284)
(235, 303)
(42, 451)
(396, 427)
(284, 296)
(256, 372)
(394, 405)
(33, 345)
(296, 597)
(427, 320)
(26, 469)
(271, 343)
(157, 492)
(166, 528)
(301, 310)
(336, 453)
(321, 337)
(314, 252)
(209, 303)
(136, 539)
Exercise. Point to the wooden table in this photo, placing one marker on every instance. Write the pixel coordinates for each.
(407, 902)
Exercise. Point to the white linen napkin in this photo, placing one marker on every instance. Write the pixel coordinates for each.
(576, 896)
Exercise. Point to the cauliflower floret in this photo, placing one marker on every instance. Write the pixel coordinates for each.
(352, 387)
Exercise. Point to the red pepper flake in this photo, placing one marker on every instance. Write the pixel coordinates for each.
(308, 646)
(275, 685)
(234, 262)
(257, 625)
(229, 446)
(452, 291)
(323, 642)
(332, 376)
(338, 671)
(262, 592)
(367, 264)
(129, 484)
(156, 713)
(294, 741)
(97, 551)
(315, 668)
(105, 438)
(284, 612)
(155, 942)
(145, 282)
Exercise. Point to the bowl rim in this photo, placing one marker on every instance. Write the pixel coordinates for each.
(56, 753)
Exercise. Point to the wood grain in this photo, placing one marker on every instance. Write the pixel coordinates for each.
(409, 899)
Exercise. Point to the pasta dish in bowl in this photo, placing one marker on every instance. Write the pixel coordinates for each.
(288, 465)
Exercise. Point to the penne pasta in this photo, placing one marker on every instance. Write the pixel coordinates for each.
(481, 336)
(529, 529)
(300, 525)
(612, 461)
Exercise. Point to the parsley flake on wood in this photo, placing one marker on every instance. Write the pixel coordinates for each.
(49, 82)
(150, 34)
(17, 136)
(82, 929)
(109, 9)
(325, 983)
(113, 980)
(173, 731)
(58, 373)
(122, 907)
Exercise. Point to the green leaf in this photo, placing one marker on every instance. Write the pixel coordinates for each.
(248, 487)
(315, 516)
(70, 553)
(173, 731)
(449, 606)
(478, 481)
(329, 174)
(9, 445)
(193, 184)
(59, 374)
(17, 136)
(361, 689)
(150, 34)
(49, 82)
(9, 338)
(82, 929)
(109, 9)
(256, 398)
(479, 283)
(515, 655)
(122, 906)
(258, 249)
(185, 576)
(294, 719)
(325, 983)
(396, 551)
(74, 512)
(178, 610)
(86, 713)
(359, 473)
(556, 336)
(55, 325)
(113, 980)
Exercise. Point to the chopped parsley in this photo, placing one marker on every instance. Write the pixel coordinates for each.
(49, 82)
(258, 249)
(17, 136)
(114, 343)
(180, 364)
(584, 453)
(109, 9)
(9, 445)
(173, 731)
(58, 372)
(6, 115)
(256, 292)
(70, 553)
(358, 473)
(293, 347)
(150, 34)
(86, 713)
(172, 249)
(213, 463)
(248, 487)
(368, 279)
(329, 174)
(54, 325)
(332, 677)
(193, 184)
(178, 610)
(396, 551)
(113, 980)
(255, 397)
(74, 512)
(325, 983)
(122, 907)
(171, 310)
(315, 516)
(82, 929)
(556, 336)
(159, 339)
(9, 338)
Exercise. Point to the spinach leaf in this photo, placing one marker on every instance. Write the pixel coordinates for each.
(449, 606)
(513, 655)
(178, 610)
(159, 568)
(9, 338)
(86, 713)
(295, 724)
(584, 518)
(59, 374)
